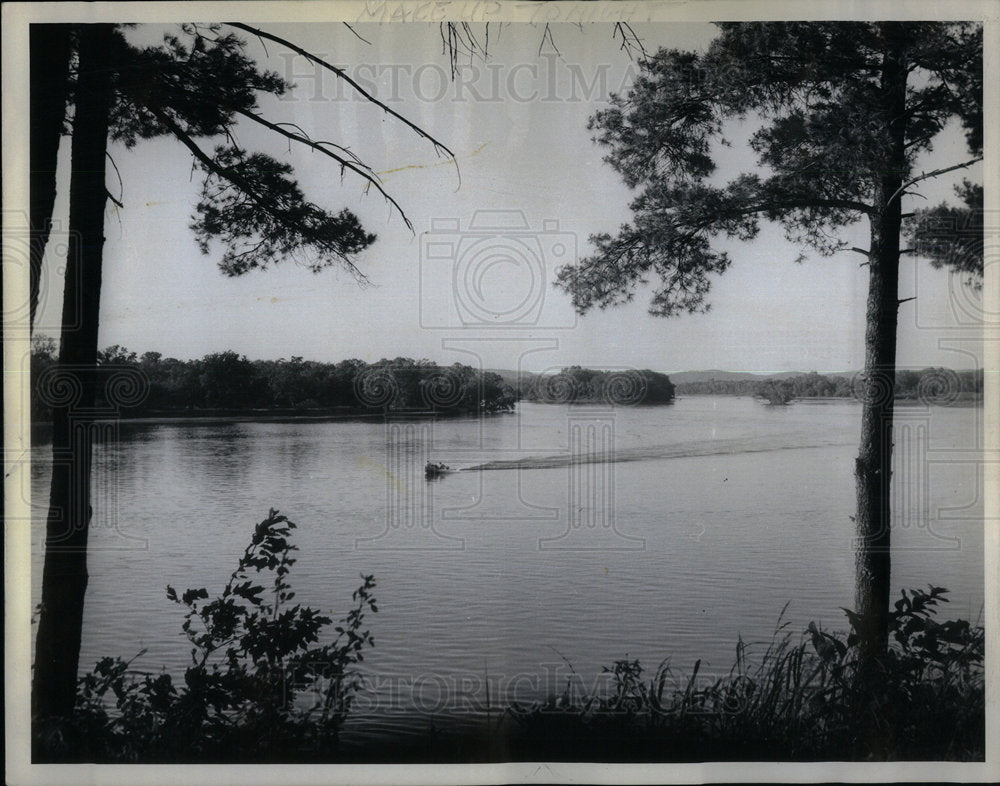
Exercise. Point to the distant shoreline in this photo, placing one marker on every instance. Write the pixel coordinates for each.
(360, 414)
(279, 416)
(964, 399)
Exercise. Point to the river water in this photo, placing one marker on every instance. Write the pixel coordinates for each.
(591, 534)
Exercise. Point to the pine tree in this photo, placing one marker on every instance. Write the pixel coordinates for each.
(197, 85)
(839, 113)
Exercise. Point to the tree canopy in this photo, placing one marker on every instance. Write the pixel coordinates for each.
(813, 96)
(197, 86)
(951, 236)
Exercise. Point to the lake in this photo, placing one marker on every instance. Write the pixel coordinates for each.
(650, 532)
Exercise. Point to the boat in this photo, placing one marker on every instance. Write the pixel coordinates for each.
(436, 470)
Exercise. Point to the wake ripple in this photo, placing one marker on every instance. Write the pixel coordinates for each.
(714, 447)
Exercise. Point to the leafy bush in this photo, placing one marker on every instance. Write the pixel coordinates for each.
(800, 700)
(933, 695)
(259, 688)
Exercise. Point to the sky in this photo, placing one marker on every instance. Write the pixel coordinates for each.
(473, 282)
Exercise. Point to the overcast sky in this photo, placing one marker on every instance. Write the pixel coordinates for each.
(481, 292)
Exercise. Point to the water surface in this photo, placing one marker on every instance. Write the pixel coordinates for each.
(650, 532)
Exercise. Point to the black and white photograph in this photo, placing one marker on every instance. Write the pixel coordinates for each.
(485, 392)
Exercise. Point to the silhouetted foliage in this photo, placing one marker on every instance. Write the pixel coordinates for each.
(952, 236)
(776, 391)
(826, 141)
(260, 686)
(196, 87)
(228, 382)
(932, 385)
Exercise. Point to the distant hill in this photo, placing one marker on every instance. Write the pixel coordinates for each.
(518, 380)
(683, 377)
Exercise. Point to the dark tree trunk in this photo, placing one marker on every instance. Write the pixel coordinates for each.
(64, 574)
(874, 463)
(873, 469)
(49, 53)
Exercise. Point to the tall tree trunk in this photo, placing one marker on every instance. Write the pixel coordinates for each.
(873, 469)
(49, 54)
(64, 575)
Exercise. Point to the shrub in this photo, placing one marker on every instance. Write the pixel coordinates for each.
(260, 687)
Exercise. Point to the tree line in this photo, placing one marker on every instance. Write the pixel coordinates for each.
(932, 384)
(223, 382)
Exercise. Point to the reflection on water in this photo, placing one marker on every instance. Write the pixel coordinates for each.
(714, 513)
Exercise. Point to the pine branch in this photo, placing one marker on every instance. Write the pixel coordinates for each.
(121, 185)
(243, 185)
(438, 146)
(624, 29)
(928, 175)
(371, 179)
(357, 34)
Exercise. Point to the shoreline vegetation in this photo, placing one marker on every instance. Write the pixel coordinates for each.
(263, 688)
(227, 386)
(931, 385)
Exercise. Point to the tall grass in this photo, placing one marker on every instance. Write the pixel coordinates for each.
(800, 699)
